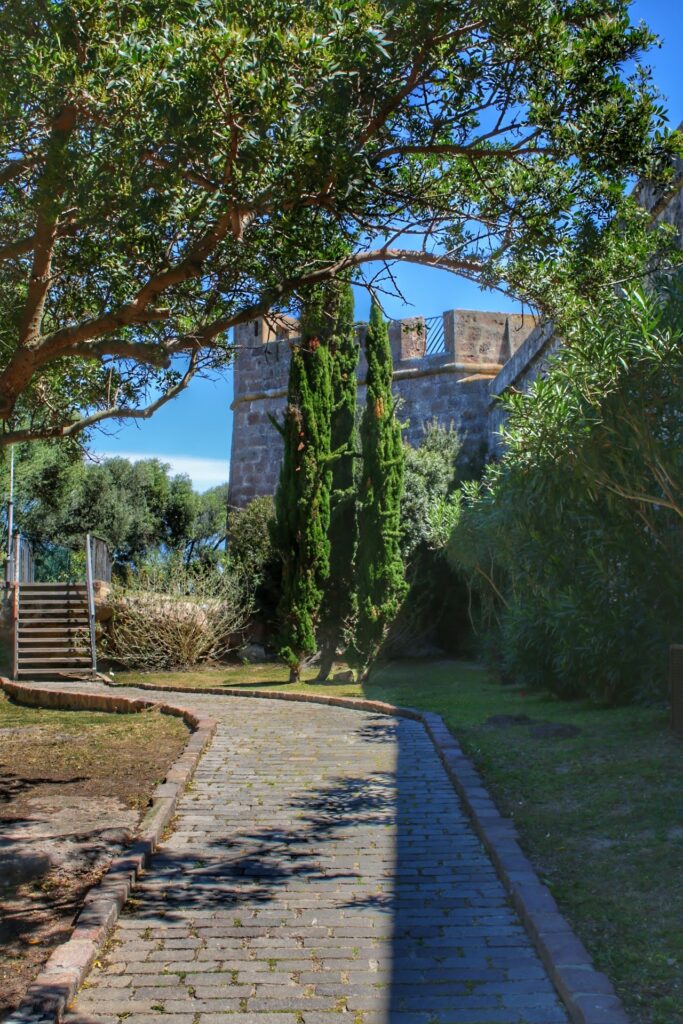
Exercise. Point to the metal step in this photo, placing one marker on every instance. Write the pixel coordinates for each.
(67, 649)
(40, 625)
(36, 620)
(54, 656)
(55, 592)
(45, 638)
(51, 609)
(40, 600)
(40, 632)
(56, 671)
(52, 588)
(30, 614)
(65, 611)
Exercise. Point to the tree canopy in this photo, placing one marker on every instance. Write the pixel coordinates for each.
(138, 508)
(169, 170)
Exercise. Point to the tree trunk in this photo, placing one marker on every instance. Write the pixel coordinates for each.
(327, 653)
(295, 672)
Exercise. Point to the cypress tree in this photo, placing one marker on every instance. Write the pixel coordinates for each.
(302, 499)
(338, 600)
(380, 575)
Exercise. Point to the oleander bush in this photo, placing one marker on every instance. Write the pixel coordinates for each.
(571, 543)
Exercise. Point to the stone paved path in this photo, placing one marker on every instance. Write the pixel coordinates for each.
(321, 870)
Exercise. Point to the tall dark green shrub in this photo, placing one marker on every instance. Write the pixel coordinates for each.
(302, 500)
(380, 574)
(338, 600)
(572, 541)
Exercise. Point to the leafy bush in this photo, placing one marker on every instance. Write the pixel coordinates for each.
(169, 616)
(251, 553)
(433, 609)
(429, 477)
(249, 543)
(572, 541)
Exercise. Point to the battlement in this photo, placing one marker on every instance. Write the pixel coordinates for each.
(442, 369)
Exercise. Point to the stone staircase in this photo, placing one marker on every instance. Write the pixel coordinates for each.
(53, 631)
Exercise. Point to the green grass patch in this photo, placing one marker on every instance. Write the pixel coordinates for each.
(93, 752)
(600, 813)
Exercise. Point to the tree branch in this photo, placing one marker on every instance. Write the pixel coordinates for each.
(15, 167)
(113, 412)
(194, 177)
(11, 250)
(74, 340)
(446, 149)
(46, 230)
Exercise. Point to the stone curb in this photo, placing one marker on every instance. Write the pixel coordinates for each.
(588, 994)
(69, 964)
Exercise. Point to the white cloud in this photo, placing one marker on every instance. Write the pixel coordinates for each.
(204, 473)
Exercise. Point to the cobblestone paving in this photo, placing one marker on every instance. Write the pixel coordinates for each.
(321, 869)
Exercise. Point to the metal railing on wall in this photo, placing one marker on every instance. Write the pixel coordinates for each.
(435, 337)
(20, 564)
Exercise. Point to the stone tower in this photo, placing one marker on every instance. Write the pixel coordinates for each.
(443, 367)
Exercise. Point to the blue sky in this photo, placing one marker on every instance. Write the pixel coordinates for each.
(193, 433)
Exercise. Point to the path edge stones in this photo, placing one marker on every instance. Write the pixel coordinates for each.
(587, 994)
(69, 964)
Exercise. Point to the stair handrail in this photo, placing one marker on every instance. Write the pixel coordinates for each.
(90, 590)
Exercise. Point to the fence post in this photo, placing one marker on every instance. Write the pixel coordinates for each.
(90, 589)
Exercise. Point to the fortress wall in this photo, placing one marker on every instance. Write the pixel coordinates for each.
(529, 362)
(256, 449)
(451, 386)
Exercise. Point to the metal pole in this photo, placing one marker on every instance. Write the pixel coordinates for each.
(15, 606)
(10, 505)
(10, 516)
(90, 589)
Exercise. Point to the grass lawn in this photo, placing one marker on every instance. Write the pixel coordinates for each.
(599, 813)
(66, 775)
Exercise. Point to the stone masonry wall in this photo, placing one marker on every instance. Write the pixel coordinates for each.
(451, 386)
(530, 361)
